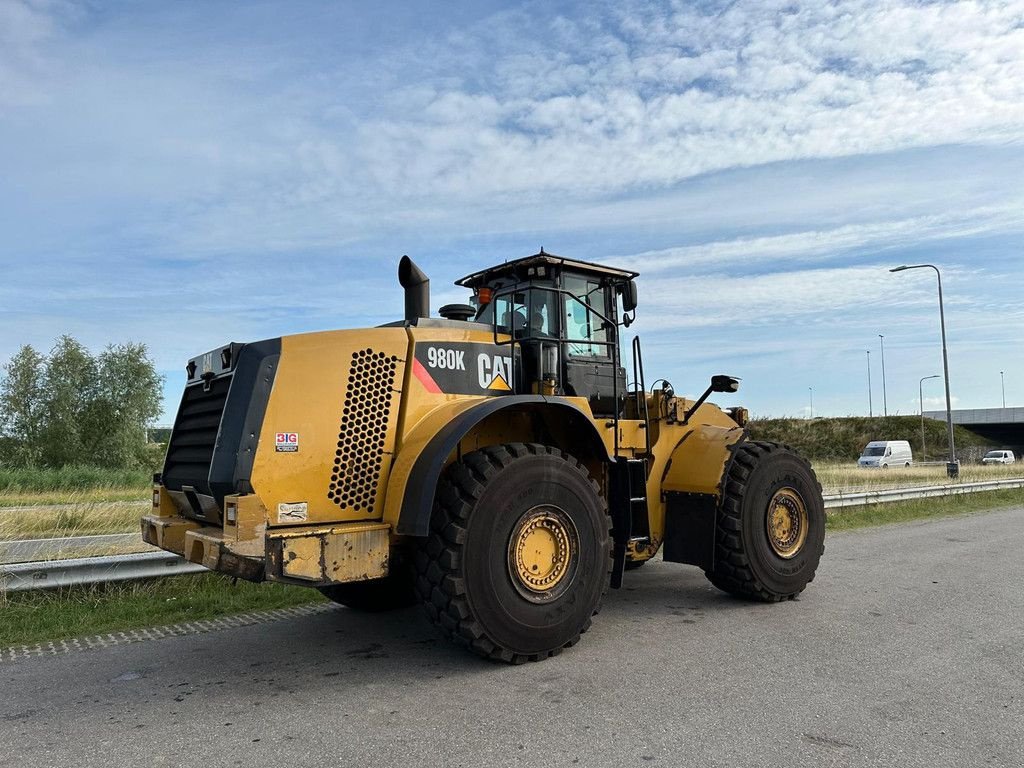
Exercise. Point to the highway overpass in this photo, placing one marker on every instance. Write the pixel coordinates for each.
(1003, 426)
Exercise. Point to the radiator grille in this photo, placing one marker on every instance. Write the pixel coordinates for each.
(363, 431)
(194, 437)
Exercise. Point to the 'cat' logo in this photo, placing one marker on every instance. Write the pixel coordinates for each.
(463, 368)
(494, 372)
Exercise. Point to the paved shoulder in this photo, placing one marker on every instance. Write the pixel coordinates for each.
(906, 650)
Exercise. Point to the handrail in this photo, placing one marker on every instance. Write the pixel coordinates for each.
(640, 385)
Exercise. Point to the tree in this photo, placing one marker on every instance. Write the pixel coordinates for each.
(21, 408)
(69, 392)
(126, 400)
(71, 407)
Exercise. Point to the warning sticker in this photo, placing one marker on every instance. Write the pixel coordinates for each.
(294, 512)
(286, 442)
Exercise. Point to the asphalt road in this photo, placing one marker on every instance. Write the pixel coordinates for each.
(907, 650)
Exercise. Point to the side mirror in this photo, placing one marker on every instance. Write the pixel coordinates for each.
(629, 296)
(718, 384)
(724, 384)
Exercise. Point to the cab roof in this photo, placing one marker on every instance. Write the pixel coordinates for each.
(519, 268)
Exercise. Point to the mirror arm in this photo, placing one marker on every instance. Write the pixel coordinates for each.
(693, 408)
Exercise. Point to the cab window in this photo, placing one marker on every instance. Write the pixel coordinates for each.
(584, 328)
(529, 313)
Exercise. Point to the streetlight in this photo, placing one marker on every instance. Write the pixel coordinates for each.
(920, 394)
(885, 400)
(1002, 384)
(811, 390)
(871, 410)
(952, 466)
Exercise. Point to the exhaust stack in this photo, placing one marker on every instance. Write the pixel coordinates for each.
(417, 290)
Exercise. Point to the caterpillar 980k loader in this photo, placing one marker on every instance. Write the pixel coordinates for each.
(491, 463)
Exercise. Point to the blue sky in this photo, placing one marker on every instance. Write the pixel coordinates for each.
(187, 174)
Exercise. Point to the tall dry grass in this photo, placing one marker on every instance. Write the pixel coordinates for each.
(849, 478)
(71, 518)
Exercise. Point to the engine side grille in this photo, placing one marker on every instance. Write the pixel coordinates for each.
(363, 431)
(194, 437)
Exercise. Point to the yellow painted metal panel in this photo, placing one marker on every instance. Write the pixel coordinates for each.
(420, 402)
(413, 444)
(302, 558)
(347, 553)
(357, 555)
(344, 450)
(699, 461)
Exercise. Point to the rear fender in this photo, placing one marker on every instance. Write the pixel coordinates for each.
(432, 444)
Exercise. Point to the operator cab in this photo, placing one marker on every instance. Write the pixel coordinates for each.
(564, 316)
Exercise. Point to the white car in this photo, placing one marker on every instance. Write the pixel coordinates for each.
(999, 457)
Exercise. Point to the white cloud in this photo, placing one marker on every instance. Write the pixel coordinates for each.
(654, 98)
(830, 243)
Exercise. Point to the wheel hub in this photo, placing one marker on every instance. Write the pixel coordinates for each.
(542, 553)
(787, 522)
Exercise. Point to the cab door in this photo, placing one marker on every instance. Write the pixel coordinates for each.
(589, 353)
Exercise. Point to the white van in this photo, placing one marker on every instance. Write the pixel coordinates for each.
(999, 457)
(886, 453)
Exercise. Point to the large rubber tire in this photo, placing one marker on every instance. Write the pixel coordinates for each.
(394, 591)
(745, 562)
(464, 572)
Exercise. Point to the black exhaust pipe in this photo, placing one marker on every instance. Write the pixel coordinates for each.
(417, 290)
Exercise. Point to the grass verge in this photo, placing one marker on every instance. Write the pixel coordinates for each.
(30, 480)
(71, 519)
(32, 617)
(921, 509)
(90, 496)
(849, 478)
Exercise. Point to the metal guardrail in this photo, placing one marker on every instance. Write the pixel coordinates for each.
(20, 577)
(861, 498)
(31, 550)
(92, 570)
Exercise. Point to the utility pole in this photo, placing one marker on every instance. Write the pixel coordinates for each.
(885, 399)
(811, 390)
(871, 411)
(920, 394)
(952, 466)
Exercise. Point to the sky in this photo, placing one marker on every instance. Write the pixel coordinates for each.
(192, 173)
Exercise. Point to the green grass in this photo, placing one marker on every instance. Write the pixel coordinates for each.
(31, 617)
(842, 439)
(922, 509)
(30, 480)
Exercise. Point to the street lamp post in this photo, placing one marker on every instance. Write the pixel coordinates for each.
(871, 410)
(1002, 385)
(885, 399)
(811, 390)
(952, 466)
(920, 394)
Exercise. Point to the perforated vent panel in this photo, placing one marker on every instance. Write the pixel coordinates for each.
(363, 431)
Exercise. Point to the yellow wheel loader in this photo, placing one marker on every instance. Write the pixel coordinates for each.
(492, 464)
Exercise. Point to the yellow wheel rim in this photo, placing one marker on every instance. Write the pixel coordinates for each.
(542, 553)
(787, 523)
